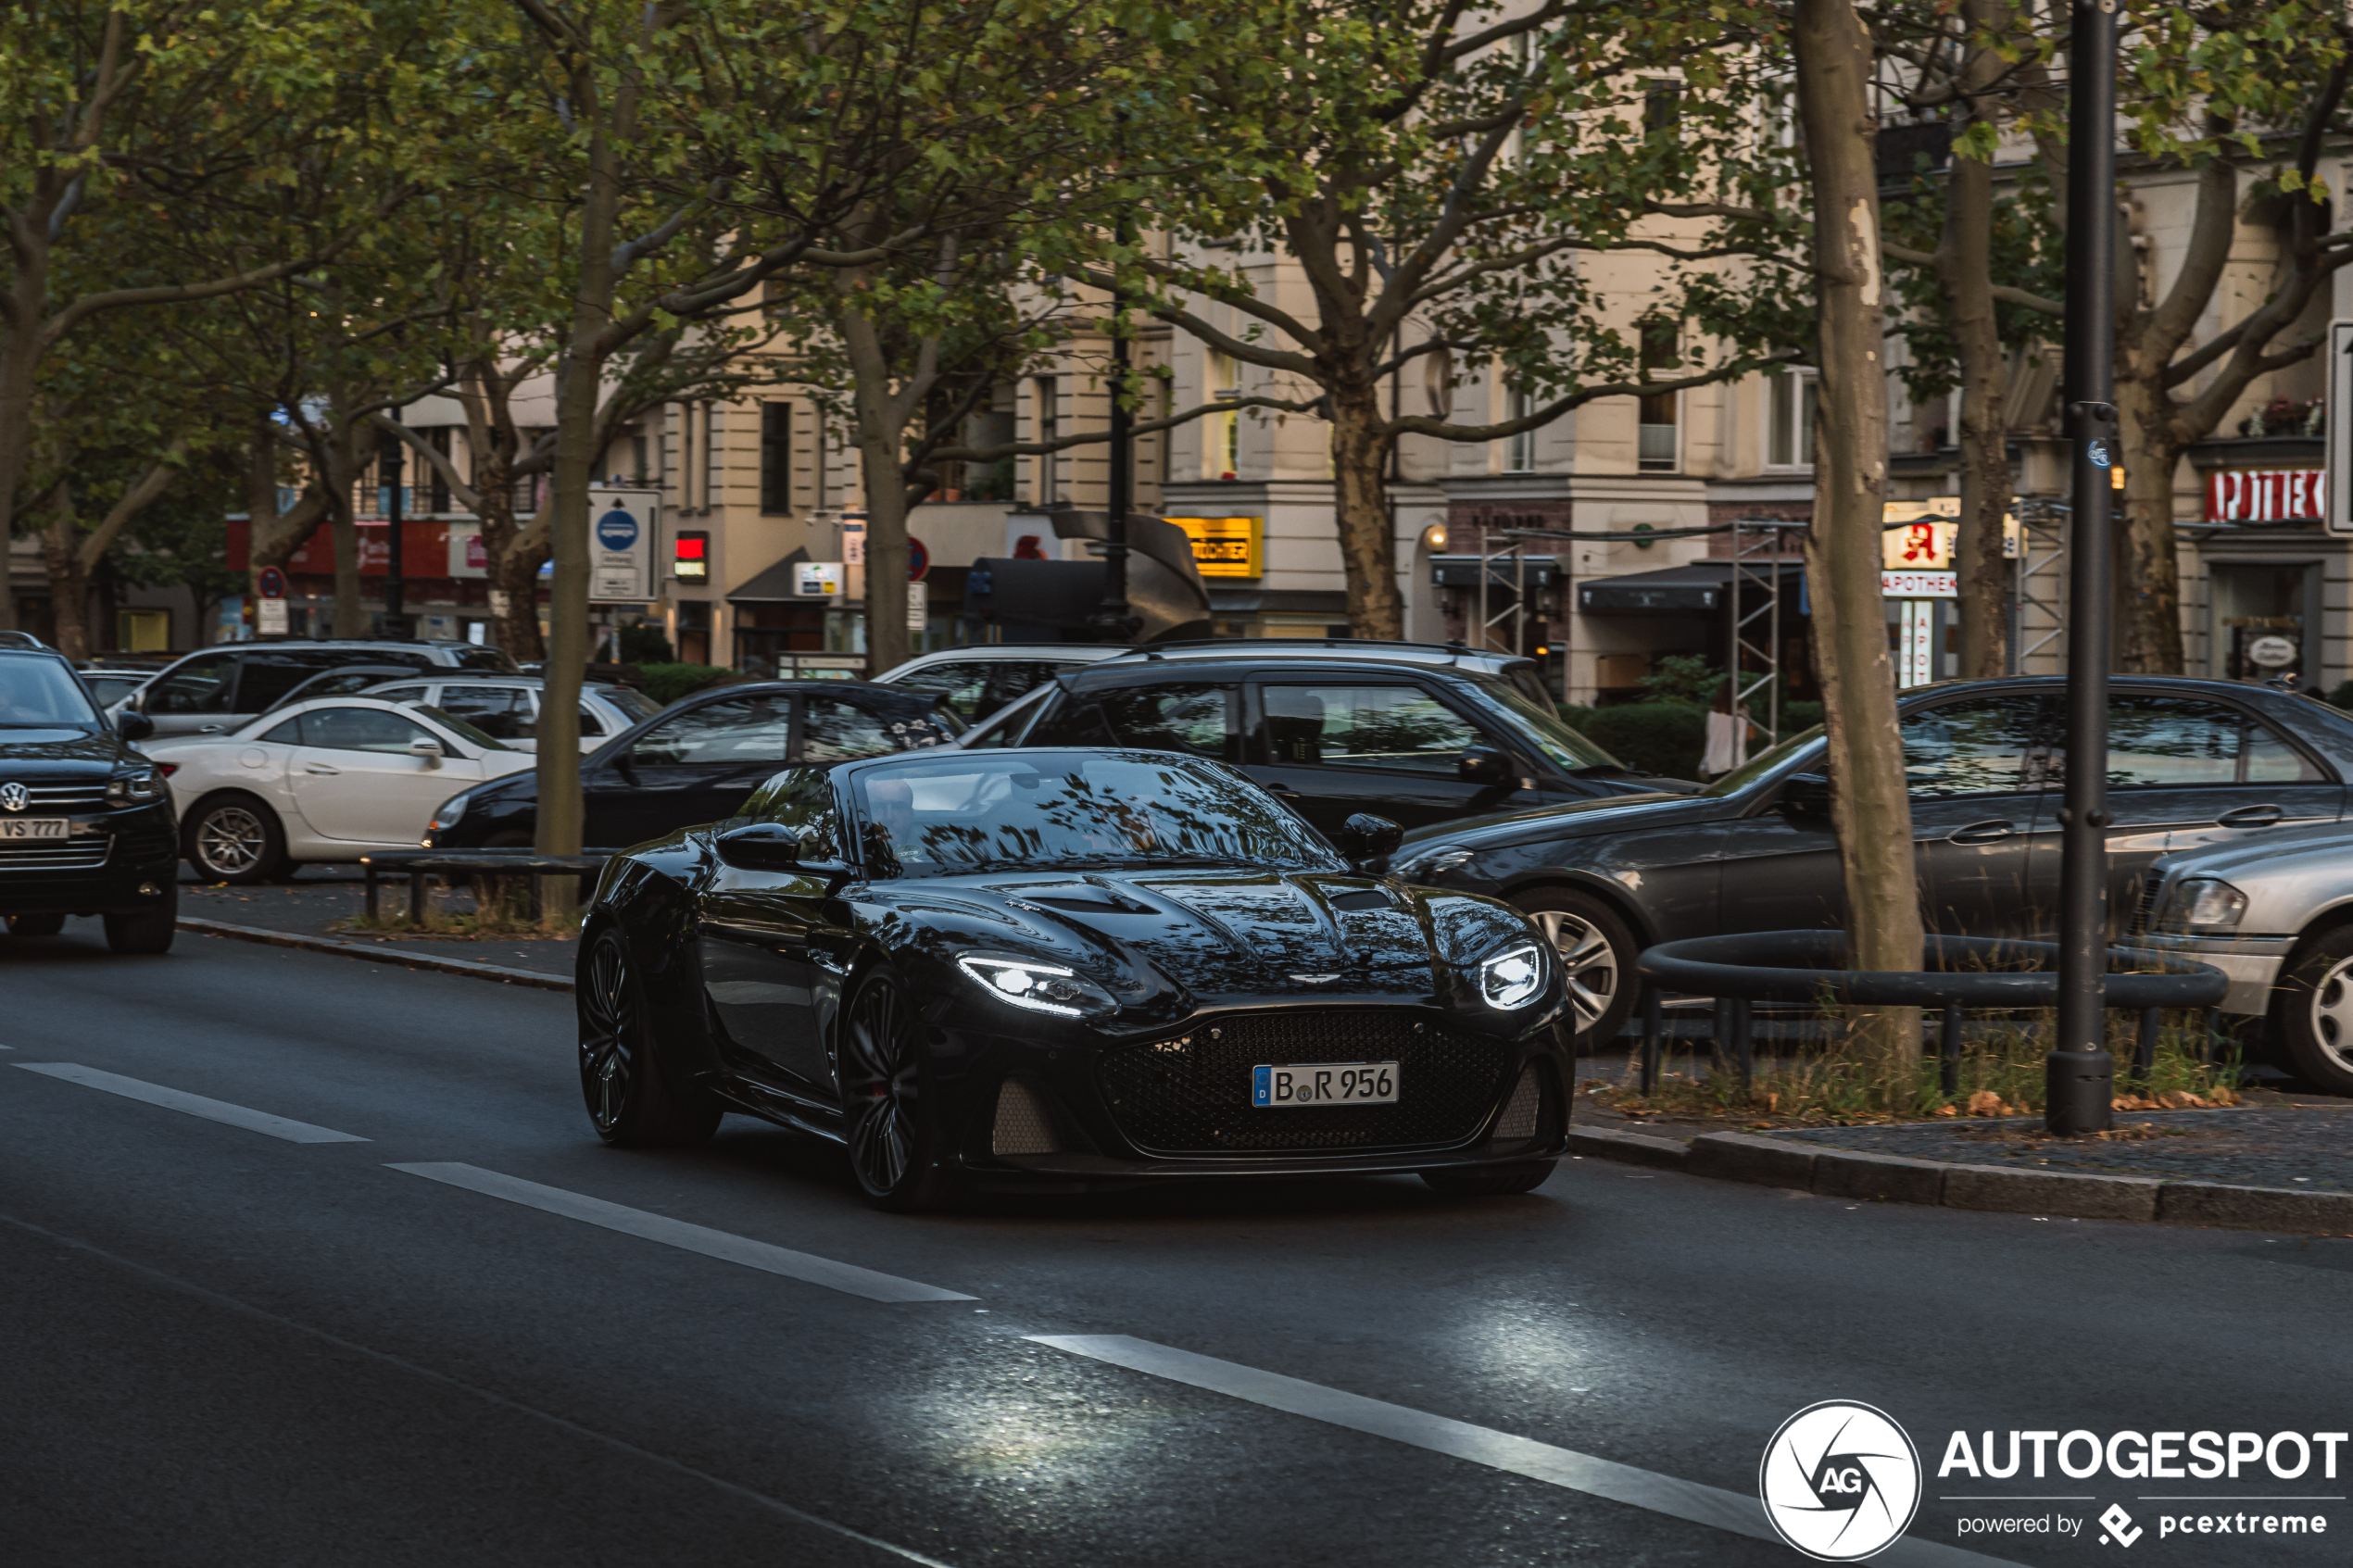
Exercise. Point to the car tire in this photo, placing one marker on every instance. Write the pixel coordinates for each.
(1596, 950)
(2312, 1012)
(149, 931)
(634, 1097)
(1492, 1180)
(35, 925)
(898, 1149)
(234, 838)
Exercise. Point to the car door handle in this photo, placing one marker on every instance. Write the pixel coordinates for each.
(2250, 817)
(323, 772)
(1981, 833)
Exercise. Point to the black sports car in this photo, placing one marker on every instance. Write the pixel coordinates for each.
(1065, 969)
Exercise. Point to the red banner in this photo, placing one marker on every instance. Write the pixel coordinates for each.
(2266, 495)
(424, 549)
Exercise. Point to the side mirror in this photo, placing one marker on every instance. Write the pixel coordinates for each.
(760, 846)
(1483, 765)
(1807, 795)
(428, 750)
(132, 724)
(1364, 837)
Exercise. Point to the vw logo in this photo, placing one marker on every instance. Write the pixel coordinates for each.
(1841, 1481)
(14, 796)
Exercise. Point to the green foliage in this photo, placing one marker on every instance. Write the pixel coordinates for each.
(665, 684)
(1683, 680)
(1652, 737)
(642, 643)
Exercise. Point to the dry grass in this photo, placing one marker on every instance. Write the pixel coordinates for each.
(503, 912)
(2000, 1073)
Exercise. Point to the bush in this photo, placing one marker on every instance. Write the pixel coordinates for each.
(642, 643)
(665, 684)
(1799, 717)
(1652, 737)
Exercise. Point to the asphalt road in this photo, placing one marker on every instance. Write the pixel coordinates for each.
(223, 1345)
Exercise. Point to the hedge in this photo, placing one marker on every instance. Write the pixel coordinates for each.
(1650, 737)
(665, 684)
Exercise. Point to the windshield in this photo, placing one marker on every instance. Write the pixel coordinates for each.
(479, 657)
(459, 727)
(1762, 763)
(1006, 726)
(39, 692)
(964, 813)
(1566, 749)
(634, 703)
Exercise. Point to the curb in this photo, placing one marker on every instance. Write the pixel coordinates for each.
(1994, 1189)
(372, 954)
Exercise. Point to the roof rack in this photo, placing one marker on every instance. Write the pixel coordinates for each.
(22, 640)
(1455, 650)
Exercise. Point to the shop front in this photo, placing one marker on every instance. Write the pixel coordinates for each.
(2267, 561)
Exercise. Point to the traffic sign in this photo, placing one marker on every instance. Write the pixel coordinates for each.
(271, 583)
(918, 560)
(621, 537)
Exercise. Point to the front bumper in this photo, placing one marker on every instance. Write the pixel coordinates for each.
(2252, 962)
(1453, 1097)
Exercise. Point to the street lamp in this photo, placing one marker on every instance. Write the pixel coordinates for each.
(2078, 1076)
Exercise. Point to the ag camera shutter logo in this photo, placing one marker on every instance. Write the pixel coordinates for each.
(1840, 1481)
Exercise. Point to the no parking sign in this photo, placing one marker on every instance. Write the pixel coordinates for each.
(622, 528)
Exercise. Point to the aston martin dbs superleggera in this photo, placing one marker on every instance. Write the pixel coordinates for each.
(1064, 969)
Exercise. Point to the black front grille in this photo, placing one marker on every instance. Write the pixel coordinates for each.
(54, 854)
(1191, 1095)
(2152, 883)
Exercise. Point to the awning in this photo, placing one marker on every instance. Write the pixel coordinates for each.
(774, 586)
(1503, 571)
(1695, 589)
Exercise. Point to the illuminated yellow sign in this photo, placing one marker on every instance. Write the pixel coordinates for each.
(1925, 542)
(1225, 546)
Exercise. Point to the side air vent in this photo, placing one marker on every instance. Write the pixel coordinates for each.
(1518, 1120)
(1024, 1124)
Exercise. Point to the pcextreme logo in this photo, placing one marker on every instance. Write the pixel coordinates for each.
(1840, 1481)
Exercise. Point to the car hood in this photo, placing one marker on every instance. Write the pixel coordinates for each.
(1183, 938)
(29, 755)
(1574, 819)
(2324, 849)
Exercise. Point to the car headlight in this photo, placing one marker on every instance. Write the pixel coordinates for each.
(2203, 906)
(134, 789)
(1040, 987)
(446, 815)
(1511, 978)
(1436, 860)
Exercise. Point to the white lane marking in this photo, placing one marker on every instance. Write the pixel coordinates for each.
(806, 1266)
(193, 1105)
(1742, 1514)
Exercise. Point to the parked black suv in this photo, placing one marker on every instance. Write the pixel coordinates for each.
(1417, 734)
(85, 821)
(699, 760)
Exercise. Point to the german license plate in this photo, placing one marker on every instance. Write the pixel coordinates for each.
(31, 827)
(1283, 1088)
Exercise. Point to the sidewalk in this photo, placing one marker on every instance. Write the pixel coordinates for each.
(324, 895)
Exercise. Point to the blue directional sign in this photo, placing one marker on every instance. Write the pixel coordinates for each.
(617, 529)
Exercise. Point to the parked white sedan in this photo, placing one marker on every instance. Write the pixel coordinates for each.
(327, 780)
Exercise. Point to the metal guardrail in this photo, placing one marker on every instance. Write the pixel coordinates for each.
(418, 864)
(1739, 971)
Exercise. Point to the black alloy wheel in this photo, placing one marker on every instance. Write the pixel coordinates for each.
(895, 1149)
(631, 1100)
(147, 931)
(1492, 1180)
(234, 838)
(35, 925)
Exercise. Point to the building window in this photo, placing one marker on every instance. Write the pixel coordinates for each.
(1788, 434)
(1661, 106)
(1661, 357)
(638, 470)
(775, 460)
(1221, 433)
(1519, 449)
(1049, 425)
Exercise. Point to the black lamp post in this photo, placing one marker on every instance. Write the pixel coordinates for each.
(395, 601)
(2079, 1075)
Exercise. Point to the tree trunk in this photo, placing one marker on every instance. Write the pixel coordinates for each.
(1965, 266)
(2148, 609)
(578, 374)
(69, 584)
(882, 412)
(1869, 809)
(513, 554)
(1360, 501)
(28, 307)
